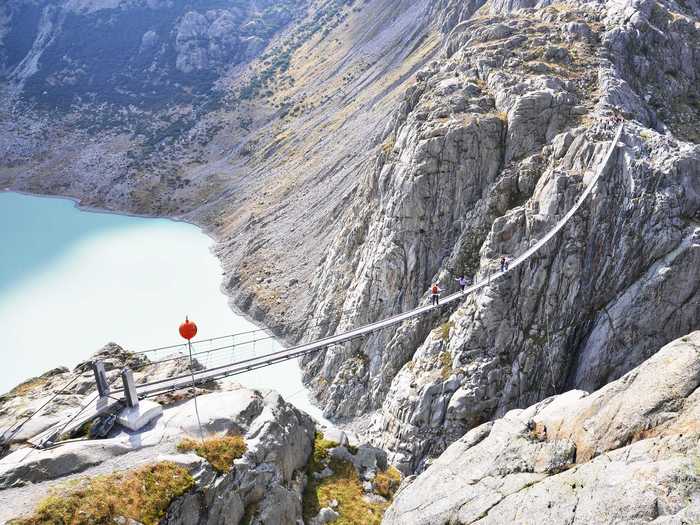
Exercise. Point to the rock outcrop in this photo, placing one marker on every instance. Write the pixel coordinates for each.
(269, 476)
(627, 453)
(267, 482)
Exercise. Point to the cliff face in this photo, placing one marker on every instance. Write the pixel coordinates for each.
(627, 453)
(488, 150)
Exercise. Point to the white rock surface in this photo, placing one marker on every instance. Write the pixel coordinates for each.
(627, 453)
(325, 515)
(279, 439)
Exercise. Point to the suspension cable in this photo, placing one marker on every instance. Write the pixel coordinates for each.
(26, 420)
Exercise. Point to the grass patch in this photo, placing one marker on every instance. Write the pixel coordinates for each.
(385, 483)
(345, 487)
(220, 452)
(445, 330)
(446, 361)
(143, 494)
(320, 453)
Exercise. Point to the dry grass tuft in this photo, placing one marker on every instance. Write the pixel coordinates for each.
(646, 134)
(386, 482)
(220, 452)
(320, 454)
(143, 494)
(446, 362)
(445, 330)
(27, 387)
(388, 145)
(345, 487)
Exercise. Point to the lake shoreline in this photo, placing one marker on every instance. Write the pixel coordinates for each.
(206, 231)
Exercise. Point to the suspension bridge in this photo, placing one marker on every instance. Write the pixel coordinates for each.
(100, 404)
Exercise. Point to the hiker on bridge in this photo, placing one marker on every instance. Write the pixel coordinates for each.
(504, 264)
(435, 293)
(462, 281)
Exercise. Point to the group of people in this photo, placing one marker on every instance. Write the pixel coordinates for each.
(463, 281)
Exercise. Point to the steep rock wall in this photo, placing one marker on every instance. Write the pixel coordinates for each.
(602, 296)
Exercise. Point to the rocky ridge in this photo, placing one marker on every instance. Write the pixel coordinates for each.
(282, 465)
(627, 453)
(270, 474)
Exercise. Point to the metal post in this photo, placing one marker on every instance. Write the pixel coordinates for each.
(194, 392)
(98, 369)
(132, 398)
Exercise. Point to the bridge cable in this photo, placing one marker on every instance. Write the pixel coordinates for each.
(4, 440)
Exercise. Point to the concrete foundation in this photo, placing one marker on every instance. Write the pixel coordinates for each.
(135, 418)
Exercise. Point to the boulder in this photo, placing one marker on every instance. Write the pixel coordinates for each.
(626, 453)
(325, 515)
(367, 460)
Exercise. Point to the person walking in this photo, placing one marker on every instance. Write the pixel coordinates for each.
(435, 293)
(462, 281)
(504, 264)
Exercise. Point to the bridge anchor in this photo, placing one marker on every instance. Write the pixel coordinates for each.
(98, 368)
(137, 414)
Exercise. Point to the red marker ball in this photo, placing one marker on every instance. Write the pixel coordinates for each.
(188, 329)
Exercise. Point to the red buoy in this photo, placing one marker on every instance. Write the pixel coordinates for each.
(188, 329)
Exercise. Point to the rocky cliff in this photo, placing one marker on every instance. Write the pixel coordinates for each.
(627, 453)
(264, 483)
(255, 459)
(489, 148)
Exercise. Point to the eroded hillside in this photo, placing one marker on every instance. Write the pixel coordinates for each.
(263, 155)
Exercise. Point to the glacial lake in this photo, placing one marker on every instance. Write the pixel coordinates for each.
(72, 281)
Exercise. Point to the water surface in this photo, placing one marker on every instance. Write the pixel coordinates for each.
(71, 281)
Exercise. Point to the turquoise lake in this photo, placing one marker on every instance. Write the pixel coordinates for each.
(72, 281)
